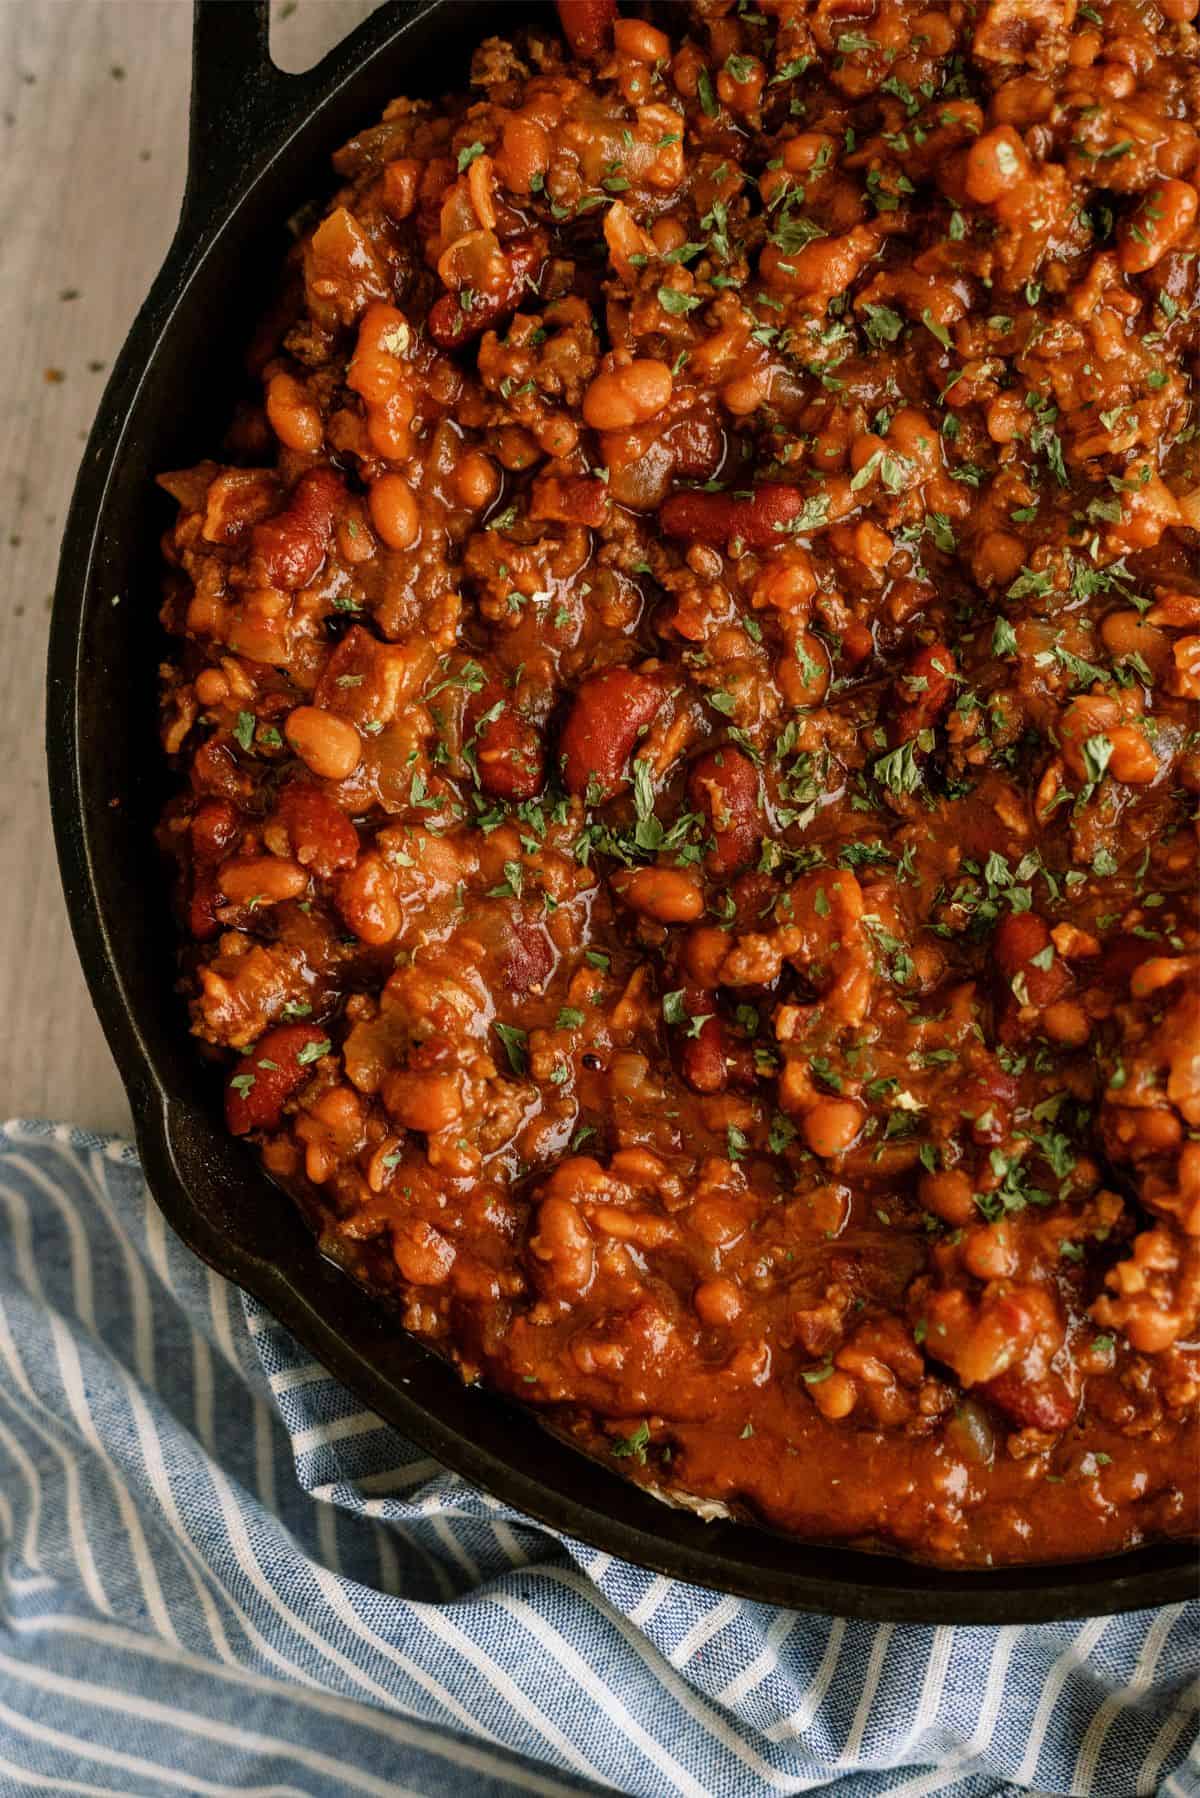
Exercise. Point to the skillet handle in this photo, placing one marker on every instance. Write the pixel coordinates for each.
(238, 96)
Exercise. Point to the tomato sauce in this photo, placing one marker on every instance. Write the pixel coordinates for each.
(683, 695)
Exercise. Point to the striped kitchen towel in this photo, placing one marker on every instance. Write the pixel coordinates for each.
(221, 1575)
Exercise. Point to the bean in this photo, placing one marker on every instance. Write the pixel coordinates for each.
(212, 687)
(832, 1125)
(266, 879)
(1033, 1404)
(717, 1302)
(835, 1397)
(988, 1251)
(400, 183)
(524, 154)
(1162, 219)
(329, 745)
(949, 1194)
(757, 522)
(629, 395)
(723, 788)
(394, 513)
(295, 420)
(320, 837)
(450, 325)
(508, 749)
(425, 1102)
(608, 713)
(562, 1247)
(666, 894)
(1020, 945)
(922, 692)
(587, 26)
(996, 164)
(645, 43)
(367, 900)
(476, 481)
(422, 1254)
(826, 266)
(1066, 1022)
(1128, 634)
(703, 1059)
(293, 544)
(1133, 760)
(268, 1075)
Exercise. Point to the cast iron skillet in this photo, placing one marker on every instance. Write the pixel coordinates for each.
(260, 146)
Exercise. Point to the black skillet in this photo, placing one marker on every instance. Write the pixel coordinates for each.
(260, 147)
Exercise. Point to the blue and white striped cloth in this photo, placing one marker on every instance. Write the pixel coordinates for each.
(221, 1575)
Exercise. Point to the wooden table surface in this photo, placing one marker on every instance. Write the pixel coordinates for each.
(93, 121)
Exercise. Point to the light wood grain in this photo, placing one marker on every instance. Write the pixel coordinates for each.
(93, 124)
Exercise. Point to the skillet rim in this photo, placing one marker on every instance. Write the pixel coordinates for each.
(241, 132)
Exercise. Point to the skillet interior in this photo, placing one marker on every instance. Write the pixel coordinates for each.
(260, 148)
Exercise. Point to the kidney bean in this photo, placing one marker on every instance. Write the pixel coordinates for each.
(507, 747)
(723, 787)
(608, 712)
(322, 838)
(758, 522)
(450, 324)
(702, 1060)
(1046, 1403)
(293, 544)
(215, 829)
(988, 1098)
(269, 1074)
(922, 693)
(1018, 939)
(587, 26)
(527, 957)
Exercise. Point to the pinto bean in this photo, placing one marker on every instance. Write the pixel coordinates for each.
(450, 324)
(327, 744)
(832, 1125)
(1163, 218)
(321, 837)
(261, 880)
(562, 1247)
(996, 163)
(758, 522)
(607, 715)
(394, 511)
(723, 787)
(293, 417)
(630, 395)
(668, 895)
(587, 26)
(293, 544)
(507, 748)
(366, 899)
(279, 1063)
